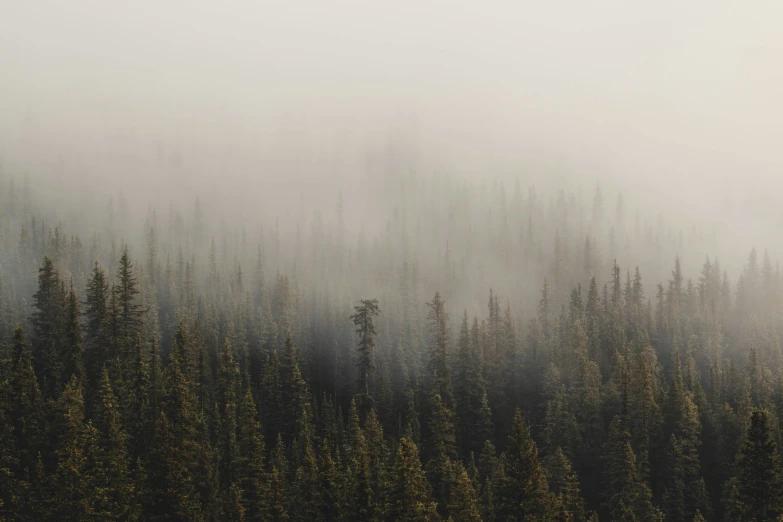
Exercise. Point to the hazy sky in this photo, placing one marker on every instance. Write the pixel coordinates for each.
(675, 98)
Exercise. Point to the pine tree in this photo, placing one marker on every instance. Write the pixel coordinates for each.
(179, 469)
(463, 503)
(565, 485)
(74, 481)
(362, 318)
(756, 490)
(330, 503)
(377, 456)
(12, 487)
(409, 494)
(234, 509)
(72, 354)
(24, 405)
(522, 492)
(127, 290)
(439, 374)
(305, 484)
(226, 395)
(173, 495)
(442, 451)
(48, 320)
(95, 332)
(685, 426)
(251, 473)
(273, 411)
(625, 490)
(474, 416)
(113, 478)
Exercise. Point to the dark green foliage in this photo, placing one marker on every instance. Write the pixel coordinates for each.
(96, 338)
(362, 318)
(564, 483)
(251, 472)
(113, 478)
(520, 489)
(473, 412)
(48, 326)
(439, 372)
(172, 492)
(755, 493)
(409, 494)
(179, 390)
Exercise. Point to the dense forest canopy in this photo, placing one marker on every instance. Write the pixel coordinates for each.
(391, 261)
(489, 352)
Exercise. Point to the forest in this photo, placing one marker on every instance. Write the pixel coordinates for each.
(490, 357)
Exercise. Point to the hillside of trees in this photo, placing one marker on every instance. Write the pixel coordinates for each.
(472, 352)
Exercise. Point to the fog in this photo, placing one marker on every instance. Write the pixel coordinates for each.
(269, 109)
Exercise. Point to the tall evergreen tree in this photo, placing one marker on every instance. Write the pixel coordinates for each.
(47, 320)
(474, 416)
(521, 490)
(113, 480)
(755, 493)
(439, 372)
(409, 494)
(362, 318)
(95, 330)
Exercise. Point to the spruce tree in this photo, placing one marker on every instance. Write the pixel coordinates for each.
(756, 492)
(173, 494)
(72, 354)
(625, 490)
(409, 494)
(463, 502)
(127, 289)
(564, 483)
(251, 472)
(76, 493)
(114, 479)
(48, 321)
(439, 372)
(12, 487)
(95, 329)
(522, 492)
(362, 318)
(25, 409)
(474, 424)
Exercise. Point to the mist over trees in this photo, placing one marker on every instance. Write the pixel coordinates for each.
(473, 350)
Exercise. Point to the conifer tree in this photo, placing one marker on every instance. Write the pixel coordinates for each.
(272, 390)
(251, 472)
(76, 493)
(113, 479)
(755, 492)
(47, 320)
(564, 483)
(442, 451)
(463, 503)
(173, 494)
(277, 500)
(409, 494)
(24, 408)
(439, 373)
(474, 416)
(522, 492)
(362, 318)
(95, 330)
(127, 290)
(626, 492)
(12, 487)
(226, 394)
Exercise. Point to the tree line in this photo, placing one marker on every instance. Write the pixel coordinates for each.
(181, 386)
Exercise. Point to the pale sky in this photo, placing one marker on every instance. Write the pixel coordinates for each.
(681, 99)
